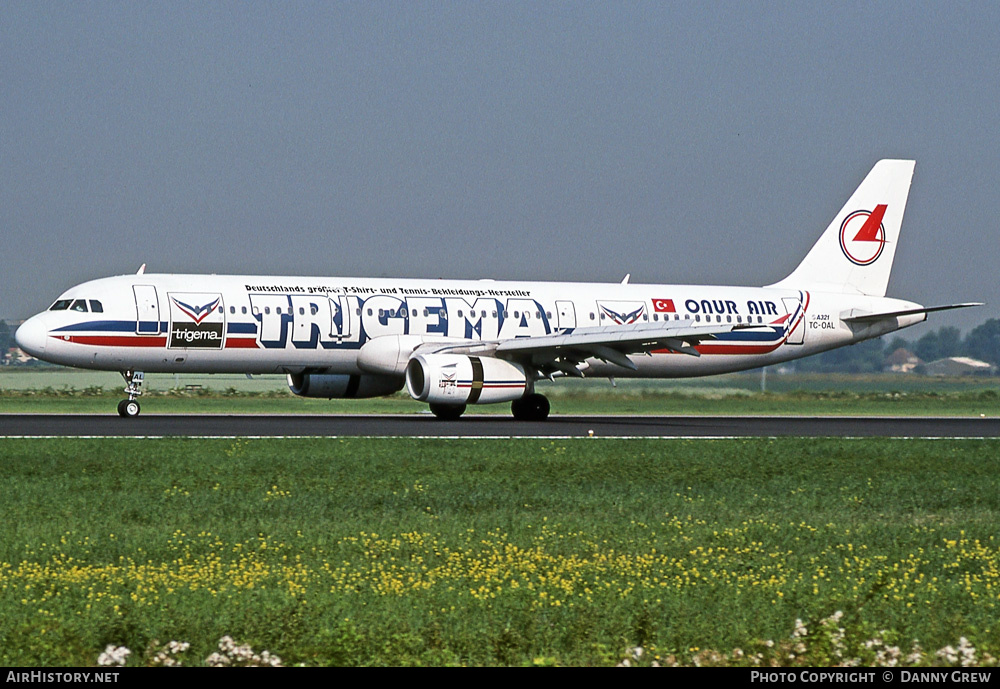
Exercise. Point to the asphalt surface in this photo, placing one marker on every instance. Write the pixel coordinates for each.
(425, 425)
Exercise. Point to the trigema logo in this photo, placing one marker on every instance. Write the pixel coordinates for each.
(196, 321)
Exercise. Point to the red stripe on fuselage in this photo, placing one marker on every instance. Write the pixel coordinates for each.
(114, 340)
(241, 343)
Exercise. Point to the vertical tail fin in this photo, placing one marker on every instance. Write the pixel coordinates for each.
(855, 253)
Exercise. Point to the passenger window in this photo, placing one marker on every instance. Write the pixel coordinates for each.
(232, 309)
(79, 305)
(96, 306)
(313, 309)
(656, 317)
(244, 310)
(302, 311)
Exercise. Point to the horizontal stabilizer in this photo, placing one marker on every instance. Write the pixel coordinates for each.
(853, 317)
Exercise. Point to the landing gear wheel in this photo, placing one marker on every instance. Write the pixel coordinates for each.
(448, 412)
(128, 409)
(533, 407)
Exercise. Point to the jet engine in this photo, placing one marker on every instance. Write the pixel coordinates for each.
(457, 379)
(340, 386)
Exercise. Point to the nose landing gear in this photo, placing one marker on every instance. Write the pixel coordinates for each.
(129, 408)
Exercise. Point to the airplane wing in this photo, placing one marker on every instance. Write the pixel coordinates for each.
(566, 350)
(562, 353)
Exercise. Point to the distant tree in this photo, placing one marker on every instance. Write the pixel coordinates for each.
(6, 337)
(863, 357)
(983, 342)
(898, 343)
(928, 347)
(950, 341)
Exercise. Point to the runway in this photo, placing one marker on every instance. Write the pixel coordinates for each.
(483, 426)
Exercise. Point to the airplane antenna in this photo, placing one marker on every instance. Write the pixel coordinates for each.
(142, 269)
(625, 279)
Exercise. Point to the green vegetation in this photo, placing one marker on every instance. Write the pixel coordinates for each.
(69, 391)
(982, 342)
(403, 551)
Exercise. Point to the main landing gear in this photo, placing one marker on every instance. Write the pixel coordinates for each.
(129, 408)
(448, 412)
(533, 407)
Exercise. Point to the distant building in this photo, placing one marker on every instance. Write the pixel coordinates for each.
(959, 366)
(901, 361)
(15, 356)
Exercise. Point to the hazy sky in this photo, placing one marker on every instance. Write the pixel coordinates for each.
(679, 142)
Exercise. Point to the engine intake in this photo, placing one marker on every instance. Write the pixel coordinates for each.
(459, 379)
(343, 386)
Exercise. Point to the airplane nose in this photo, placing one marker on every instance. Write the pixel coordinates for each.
(31, 336)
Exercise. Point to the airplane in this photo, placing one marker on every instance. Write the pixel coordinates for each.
(454, 343)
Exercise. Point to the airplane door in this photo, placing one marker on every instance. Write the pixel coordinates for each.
(567, 314)
(794, 308)
(147, 308)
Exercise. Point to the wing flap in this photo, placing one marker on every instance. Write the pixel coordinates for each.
(561, 351)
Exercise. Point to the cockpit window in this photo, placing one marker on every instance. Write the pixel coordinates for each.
(96, 306)
(61, 305)
(79, 305)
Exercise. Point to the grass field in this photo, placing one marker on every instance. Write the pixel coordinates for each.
(57, 390)
(402, 551)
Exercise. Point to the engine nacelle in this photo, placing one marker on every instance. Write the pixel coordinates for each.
(343, 386)
(460, 379)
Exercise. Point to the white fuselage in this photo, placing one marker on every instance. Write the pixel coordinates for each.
(215, 324)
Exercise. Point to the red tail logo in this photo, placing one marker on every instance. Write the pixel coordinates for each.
(869, 239)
